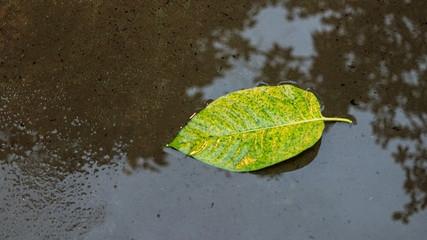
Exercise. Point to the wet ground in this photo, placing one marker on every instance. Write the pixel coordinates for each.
(91, 91)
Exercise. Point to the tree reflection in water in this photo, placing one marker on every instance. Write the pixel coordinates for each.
(379, 54)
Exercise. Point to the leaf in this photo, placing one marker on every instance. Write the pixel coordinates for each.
(254, 128)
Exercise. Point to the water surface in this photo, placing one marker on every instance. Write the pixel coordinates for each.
(91, 91)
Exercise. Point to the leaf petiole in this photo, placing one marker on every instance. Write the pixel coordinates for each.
(337, 119)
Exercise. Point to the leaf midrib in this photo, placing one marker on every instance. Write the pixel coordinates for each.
(264, 128)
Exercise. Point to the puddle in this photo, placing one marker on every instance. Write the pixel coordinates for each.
(91, 92)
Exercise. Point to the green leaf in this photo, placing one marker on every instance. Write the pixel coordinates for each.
(254, 128)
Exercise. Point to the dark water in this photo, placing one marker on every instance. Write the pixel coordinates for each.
(91, 91)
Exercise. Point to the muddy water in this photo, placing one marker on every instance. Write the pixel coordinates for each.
(90, 92)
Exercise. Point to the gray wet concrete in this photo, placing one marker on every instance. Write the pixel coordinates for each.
(91, 91)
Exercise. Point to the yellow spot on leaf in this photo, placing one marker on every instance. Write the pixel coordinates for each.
(200, 149)
(244, 163)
